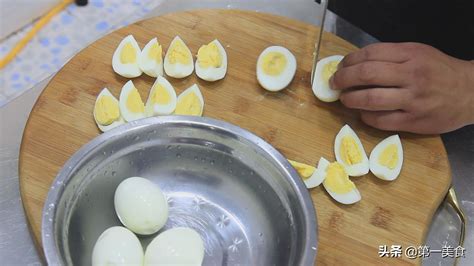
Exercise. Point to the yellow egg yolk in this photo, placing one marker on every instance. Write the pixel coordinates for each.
(337, 180)
(350, 151)
(128, 55)
(389, 156)
(106, 110)
(179, 53)
(160, 95)
(304, 170)
(155, 52)
(189, 104)
(328, 70)
(273, 63)
(134, 102)
(209, 56)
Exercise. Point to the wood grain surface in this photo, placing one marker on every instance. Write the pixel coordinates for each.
(293, 121)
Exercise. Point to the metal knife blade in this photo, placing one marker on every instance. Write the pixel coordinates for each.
(324, 5)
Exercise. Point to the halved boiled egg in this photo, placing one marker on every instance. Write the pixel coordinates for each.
(151, 59)
(211, 62)
(350, 152)
(130, 102)
(125, 58)
(276, 67)
(386, 158)
(337, 182)
(178, 59)
(190, 102)
(162, 98)
(325, 68)
(107, 111)
(308, 174)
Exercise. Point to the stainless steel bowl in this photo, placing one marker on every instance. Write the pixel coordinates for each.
(237, 191)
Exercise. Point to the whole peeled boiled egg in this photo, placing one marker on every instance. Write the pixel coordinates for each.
(176, 246)
(161, 99)
(325, 68)
(276, 67)
(350, 152)
(151, 59)
(386, 158)
(211, 62)
(130, 102)
(140, 205)
(178, 59)
(125, 58)
(107, 111)
(117, 246)
(190, 102)
(337, 182)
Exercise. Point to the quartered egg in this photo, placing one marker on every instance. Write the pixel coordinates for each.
(125, 58)
(151, 59)
(325, 68)
(350, 152)
(176, 246)
(162, 98)
(386, 158)
(276, 67)
(337, 182)
(211, 62)
(130, 102)
(190, 102)
(178, 59)
(107, 111)
(308, 174)
(117, 246)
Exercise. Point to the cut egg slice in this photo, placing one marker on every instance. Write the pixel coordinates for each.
(337, 182)
(308, 174)
(107, 111)
(161, 99)
(325, 68)
(130, 102)
(190, 102)
(178, 59)
(125, 58)
(151, 59)
(211, 62)
(350, 152)
(276, 67)
(386, 158)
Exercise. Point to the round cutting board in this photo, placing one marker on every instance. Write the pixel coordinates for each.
(293, 121)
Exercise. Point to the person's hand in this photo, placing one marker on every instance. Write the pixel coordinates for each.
(407, 87)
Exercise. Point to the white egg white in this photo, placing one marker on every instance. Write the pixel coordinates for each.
(176, 246)
(140, 205)
(213, 73)
(153, 109)
(130, 70)
(117, 246)
(318, 176)
(357, 169)
(178, 70)
(127, 114)
(193, 89)
(382, 171)
(120, 121)
(150, 66)
(320, 86)
(351, 197)
(276, 83)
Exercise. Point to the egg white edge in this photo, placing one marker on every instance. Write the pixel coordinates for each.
(156, 109)
(318, 175)
(277, 83)
(376, 168)
(352, 170)
(212, 73)
(133, 68)
(152, 69)
(196, 89)
(320, 89)
(178, 70)
(114, 124)
(123, 108)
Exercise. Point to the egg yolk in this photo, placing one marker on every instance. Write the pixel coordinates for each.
(134, 102)
(128, 54)
(189, 104)
(273, 63)
(350, 151)
(160, 95)
(328, 70)
(389, 156)
(155, 52)
(304, 170)
(106, 110)
(179, 53)
(337, 180)
(209, 56)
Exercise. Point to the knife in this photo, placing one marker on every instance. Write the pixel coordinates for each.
(324, 5)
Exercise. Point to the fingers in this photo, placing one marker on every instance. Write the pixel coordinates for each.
(376, 99)
(385, 52)
(387, 120)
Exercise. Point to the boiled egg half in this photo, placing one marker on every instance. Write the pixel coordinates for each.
(190, 102)
(386, 158)
(350, 153)
(308, 174)
(161, 99)
(107, 111)
(276, 67)
(211, 62)
(125, 58)
(325, 68)
(178, 59)
(151, 59)
(130, 102)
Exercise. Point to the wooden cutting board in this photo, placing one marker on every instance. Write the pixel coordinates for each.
(293, 121)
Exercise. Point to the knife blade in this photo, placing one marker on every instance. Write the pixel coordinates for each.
(324, 5)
